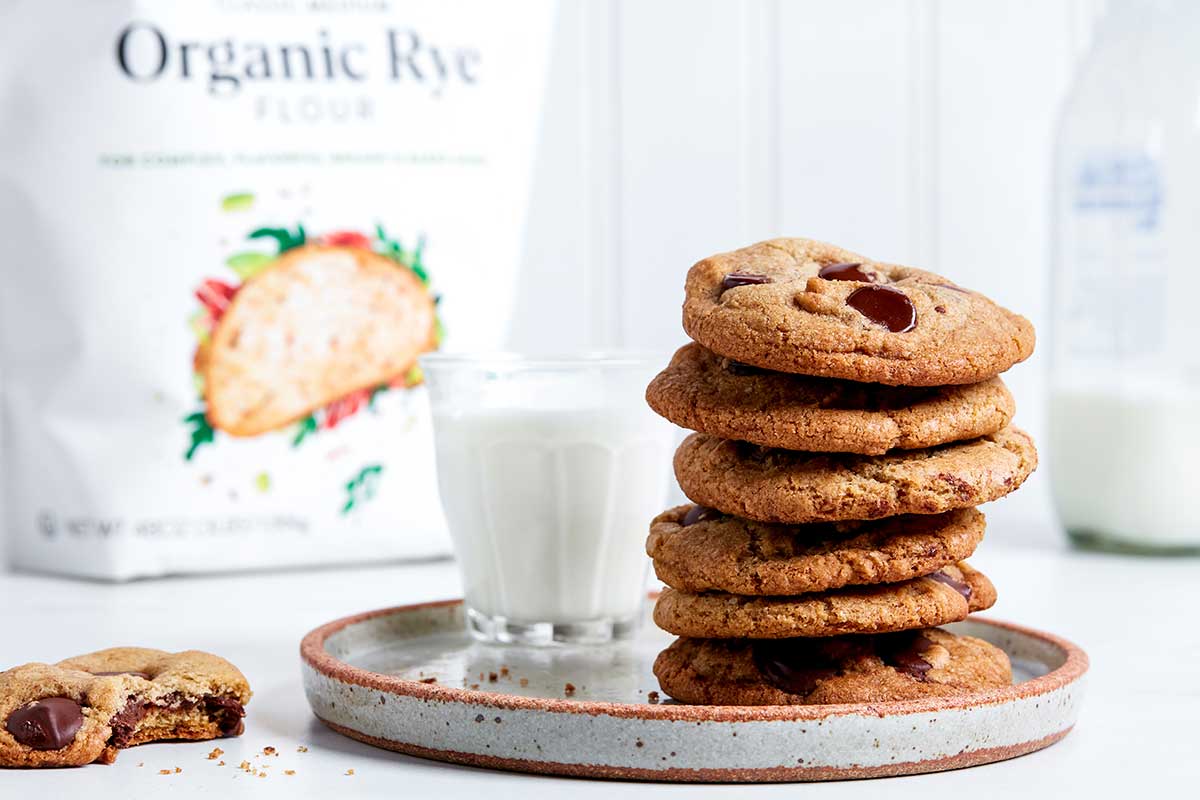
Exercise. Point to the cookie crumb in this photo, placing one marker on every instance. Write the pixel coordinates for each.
(569, 689)
(164, 772)
(474, 685)
(141, 763)
(429, 680)
(301, 749)
(268, 751)
(349, 772)
(524, 681)
(244, 766)
(289, 772)
(219, 764)
(493, 677)
(215, 754)
(653, 697)
(504, 671)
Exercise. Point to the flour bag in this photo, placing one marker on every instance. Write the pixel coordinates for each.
(231, 228)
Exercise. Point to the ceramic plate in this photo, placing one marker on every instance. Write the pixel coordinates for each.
(410, 679)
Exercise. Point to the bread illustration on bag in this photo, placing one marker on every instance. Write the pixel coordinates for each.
(311, 335)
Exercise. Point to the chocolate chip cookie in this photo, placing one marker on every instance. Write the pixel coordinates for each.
(847, 669)
(740, 556)
(939, 598)
(85, 709)
(797, 305)
(773, 485)
(712, 394)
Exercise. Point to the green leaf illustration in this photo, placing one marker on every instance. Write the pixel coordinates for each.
(240, 201)
(378, 390)
(304, 428)
(417, 265)
(411, 260)
(202, 433)
(361, 487)
(286, 239)
(248, 264)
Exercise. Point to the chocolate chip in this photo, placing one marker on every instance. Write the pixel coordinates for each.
(795, 666)
(228, 713)
(910, 664)
(141, 675)
(699, 514)
(902, 651)
(743, 279)
(885, 306)
(954, 583)
(48, 724)
(124, 723)
(847, 272)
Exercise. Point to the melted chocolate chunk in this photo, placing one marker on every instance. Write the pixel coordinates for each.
(795, 666)
(125, 721)
(699, 514)
(885, 306)
(142, 675)
(847, 272)
(902, 652)
(743, 279)
(954, 583)
(228, 713)
(48, 724)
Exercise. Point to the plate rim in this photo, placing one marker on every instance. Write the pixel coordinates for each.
(314, 654)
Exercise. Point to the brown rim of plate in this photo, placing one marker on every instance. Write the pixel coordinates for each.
(312, 651)
(781, 774)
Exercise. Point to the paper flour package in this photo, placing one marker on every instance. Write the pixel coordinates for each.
(231, 228)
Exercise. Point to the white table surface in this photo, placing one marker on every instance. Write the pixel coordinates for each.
(1135, 617)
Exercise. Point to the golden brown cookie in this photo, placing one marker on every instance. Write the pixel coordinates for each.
(711, 394)
(740, 556)
(939, 598)
(774, 485)
(798, 305)
(86, 708)
(847, 669)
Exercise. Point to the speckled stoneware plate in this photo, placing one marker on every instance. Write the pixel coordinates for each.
(410, 679)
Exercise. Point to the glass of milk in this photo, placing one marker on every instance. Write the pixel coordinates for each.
(550, 470)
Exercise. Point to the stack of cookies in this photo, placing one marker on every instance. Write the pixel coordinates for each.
(849, 419)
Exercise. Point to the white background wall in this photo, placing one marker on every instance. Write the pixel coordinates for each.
(914, 131)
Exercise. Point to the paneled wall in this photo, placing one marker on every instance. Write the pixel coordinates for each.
(917, 131)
